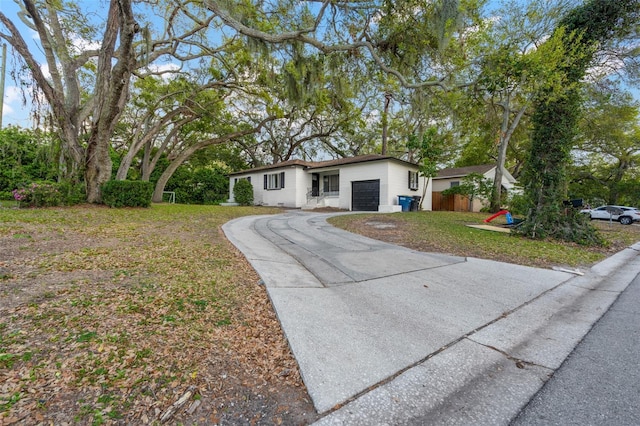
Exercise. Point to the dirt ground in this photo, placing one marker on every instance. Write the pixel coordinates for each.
(110, 323)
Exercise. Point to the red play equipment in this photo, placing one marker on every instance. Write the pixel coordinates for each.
(500, 213)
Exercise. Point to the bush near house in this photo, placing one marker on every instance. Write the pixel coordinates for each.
(243, 192)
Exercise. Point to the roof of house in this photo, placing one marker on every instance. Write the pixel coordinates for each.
(289, 163)
(463, 171)
(323, 164)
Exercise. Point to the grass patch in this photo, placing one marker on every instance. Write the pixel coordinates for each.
(86, 336)
(143, 298)
(9, 204)
(446, 232)
(6, 402)
(7, 360)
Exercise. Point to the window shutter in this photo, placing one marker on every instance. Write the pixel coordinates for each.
(249, 179)
(265, 181)
(281, 179)
(409, 180)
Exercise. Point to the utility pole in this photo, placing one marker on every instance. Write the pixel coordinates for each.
(2, 72)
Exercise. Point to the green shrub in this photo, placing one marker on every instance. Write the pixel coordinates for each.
(127, 193)
(518, 204)
(203, 185)
(26, 156)
(72, 193)
(39, 194)
(243, 192)
(49, 194)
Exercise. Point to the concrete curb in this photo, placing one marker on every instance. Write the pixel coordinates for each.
(488, 376)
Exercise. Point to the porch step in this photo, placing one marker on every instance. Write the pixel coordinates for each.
(313, 203)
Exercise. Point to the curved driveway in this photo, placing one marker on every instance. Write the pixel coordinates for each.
(390, 331)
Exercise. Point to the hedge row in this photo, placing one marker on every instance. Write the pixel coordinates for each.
(127, 193)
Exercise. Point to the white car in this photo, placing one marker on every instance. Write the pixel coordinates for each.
(623, 214)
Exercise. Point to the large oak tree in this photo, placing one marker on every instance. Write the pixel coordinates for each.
(75, 112)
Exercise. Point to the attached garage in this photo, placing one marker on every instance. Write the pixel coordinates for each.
(365, 195)
(367, 183)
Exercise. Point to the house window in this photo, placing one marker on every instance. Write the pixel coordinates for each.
(413, 180)
(454, 183)
(274, 181)
(331, 184)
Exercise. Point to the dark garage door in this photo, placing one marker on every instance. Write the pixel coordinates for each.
(365, 195)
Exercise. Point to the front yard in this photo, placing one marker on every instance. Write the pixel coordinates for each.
(111, 316)
(446, 232)
(131, 316)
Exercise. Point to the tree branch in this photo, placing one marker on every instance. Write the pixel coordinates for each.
(303, 37)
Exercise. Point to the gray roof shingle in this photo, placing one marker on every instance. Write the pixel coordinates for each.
(463, 171)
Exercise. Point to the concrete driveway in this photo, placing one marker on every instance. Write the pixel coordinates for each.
(387, 333)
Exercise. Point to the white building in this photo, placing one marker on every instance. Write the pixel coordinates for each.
(364, 183)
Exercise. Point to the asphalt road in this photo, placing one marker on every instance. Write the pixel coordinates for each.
(599, 383)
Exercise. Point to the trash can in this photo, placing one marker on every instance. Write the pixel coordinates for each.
(415, 203)
(405, 202)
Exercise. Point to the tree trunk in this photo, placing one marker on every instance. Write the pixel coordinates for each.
(496, 199)
(614, 186)
(98, 168)
(112, 92)
(424, 191)
(188, 152)
(146, 162)
(169, 171)
(506, 131)
(65, 117)
(150, 164)
(143, 139)
(555, 118)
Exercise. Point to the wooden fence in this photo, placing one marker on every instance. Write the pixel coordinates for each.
(451, 203)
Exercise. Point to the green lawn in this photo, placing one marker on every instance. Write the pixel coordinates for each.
(446, 232)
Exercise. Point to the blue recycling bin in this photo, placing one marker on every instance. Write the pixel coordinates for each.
(405, 202)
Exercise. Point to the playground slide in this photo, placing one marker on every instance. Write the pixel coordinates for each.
(500, 213)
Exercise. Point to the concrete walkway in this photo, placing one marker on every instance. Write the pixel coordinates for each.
(388, 335)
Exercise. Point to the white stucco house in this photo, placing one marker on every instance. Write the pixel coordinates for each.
(363, 183)
(447, 178)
